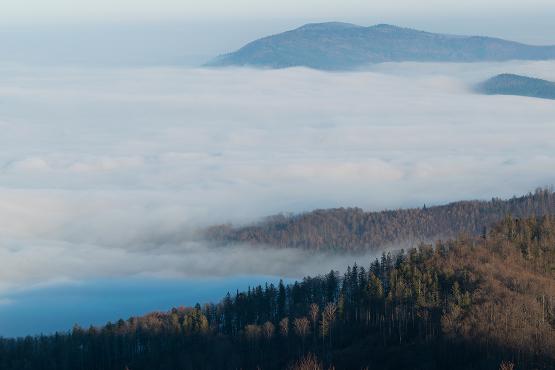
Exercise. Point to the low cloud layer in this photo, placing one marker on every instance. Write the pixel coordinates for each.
(105, 172)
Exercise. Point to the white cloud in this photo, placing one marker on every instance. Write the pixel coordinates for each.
(61, 262)
(106, 172)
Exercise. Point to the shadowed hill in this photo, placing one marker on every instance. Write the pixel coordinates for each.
(352, 229)
(510, 84)
(343, 46)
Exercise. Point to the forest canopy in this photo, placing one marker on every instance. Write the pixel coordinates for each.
(354, 230)
(467, 303)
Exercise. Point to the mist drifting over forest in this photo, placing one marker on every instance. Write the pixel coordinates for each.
(106, 172)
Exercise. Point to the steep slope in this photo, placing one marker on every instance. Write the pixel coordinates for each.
(510, 84)
(341, 46)
(352, 229)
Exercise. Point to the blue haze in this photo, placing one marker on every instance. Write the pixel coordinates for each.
(59, 307)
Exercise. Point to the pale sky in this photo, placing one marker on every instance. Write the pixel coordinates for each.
(37, 10)
(190, 32)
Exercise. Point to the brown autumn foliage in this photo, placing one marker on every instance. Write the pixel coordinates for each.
(353, 229)
(505, 365)
(308, 362)
(512, 302)
(302, 326)
(268, 330)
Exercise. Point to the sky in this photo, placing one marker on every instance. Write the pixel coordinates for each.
(100, 301)
(125, 9)
(189, 33)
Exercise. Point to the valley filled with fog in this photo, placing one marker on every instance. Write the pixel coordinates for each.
(106, 173)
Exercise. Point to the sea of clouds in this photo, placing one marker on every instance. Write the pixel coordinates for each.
(106, 172)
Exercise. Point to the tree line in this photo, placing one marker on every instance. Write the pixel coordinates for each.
(465, 303)
(352, 229)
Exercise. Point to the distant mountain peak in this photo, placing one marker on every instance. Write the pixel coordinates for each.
(344, 46)
(386, 27)
(512, 84)
(512, 76)
(327, 26)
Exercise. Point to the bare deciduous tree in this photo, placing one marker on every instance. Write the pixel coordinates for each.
(252, 332)
(328, 317)
(284, 326)
(302, 326)
(506, 365)
(309, 362)
(313, 313)
(268, 330)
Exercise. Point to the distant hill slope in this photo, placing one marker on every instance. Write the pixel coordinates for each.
(342, 46)
(352, 229)
(509, 84)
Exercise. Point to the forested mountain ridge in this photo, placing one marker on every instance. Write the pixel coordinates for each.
(511, 84)
(354, 230)
(469, 303)
(343, 46)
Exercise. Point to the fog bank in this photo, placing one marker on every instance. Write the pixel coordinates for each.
(105, 172)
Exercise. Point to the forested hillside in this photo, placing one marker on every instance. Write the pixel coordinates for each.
(469, 303)
(510, 84)
(352, 229)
